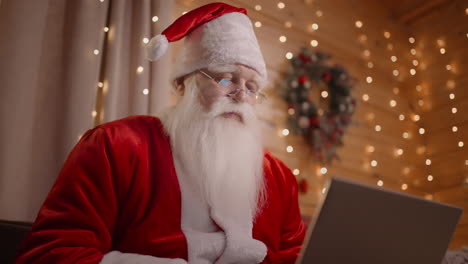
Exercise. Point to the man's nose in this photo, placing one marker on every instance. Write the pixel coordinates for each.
(240, 95)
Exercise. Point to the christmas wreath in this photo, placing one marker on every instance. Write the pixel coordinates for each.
(320, 105)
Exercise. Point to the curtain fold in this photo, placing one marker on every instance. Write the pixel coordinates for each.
(51, 61)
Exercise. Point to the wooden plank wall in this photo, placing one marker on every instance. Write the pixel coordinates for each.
(445, 29)
(353, 48)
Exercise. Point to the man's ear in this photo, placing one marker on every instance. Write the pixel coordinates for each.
(179, 86)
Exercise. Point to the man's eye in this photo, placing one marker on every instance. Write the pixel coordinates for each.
(225, 82)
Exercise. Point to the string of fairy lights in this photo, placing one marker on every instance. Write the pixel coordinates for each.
(413, 116)
(415, 66)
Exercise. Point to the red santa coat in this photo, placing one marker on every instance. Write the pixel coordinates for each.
(118, 190)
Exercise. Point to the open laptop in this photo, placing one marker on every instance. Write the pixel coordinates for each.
(362, 224)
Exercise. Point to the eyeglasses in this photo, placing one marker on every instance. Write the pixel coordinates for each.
(231, 89)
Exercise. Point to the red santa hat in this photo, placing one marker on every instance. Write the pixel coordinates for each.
(215, 34)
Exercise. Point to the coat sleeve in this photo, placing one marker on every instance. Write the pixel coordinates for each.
(74, 225)
(293, 229)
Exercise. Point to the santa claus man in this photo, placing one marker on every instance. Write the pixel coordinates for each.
(194, 185)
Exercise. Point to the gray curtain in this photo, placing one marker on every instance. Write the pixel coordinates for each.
(49, 75)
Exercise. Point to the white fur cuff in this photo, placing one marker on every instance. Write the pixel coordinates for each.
(116, 257)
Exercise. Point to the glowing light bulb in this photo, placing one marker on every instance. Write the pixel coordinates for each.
(100, 84)
(428, 162)
(404, 186)
(145, 91)
(387, 34)
(413, 51)
(145, 40)
(460, 144)
(314, 43)
(358, 24)
(289, 149)
(393, 103)
(323, 170)
(96, 52)
(415, 62)
(452, 96)
(106, 29)
(282, 39)
(369, 79)
(324, 94)
(373, 163)
(411, 40)
(315, 26)
(422, 131)
(430, 178)
(454, 129)
(285, 132)
(370, 148)
(281, 5)
(94, 113)
(155, 19)
(365, 97)
(258, 24)
(258, 7)
(454, 110)
(412, 71)
(442, 51)
(289, 55)
(296, 172)
(380, 183)
(140, 69)
(378, 128)
(393, 58)
(395, 72)
(406, 135)
(401, 117)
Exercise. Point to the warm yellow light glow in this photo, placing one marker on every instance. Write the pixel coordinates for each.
(412, 71)
(296, 172)
(401, 117)
(460, 144)
(155, 18)
(258, 24)
(448, 67)
(418, 88)
(380, 183)
(428, 162)
(315, 26)
(358, 24)
(319, 13)
(396, 72)
(442, 51)
(324, 94)
(314, 43)
(258, 7)
(373, 163)
(145, 91)
(411, 40)
(370, 148)
(369, 79)
(288, 24)
(100, 84)
(378, 128)
(281, 5)
(289, 55)
(406, 170)
(282, 39)
(452, 96)
(393, 58)
(404, 186)
(370, 65)
(106, 29)
(94, 113)
(285, 132)
(413, 51)
(393, 103)
(96, 52)
(430, 178)
(420, 102)
(387, 34)
(396, 90)
(140, 69)
(454, 129)
(416, 118)
(454, 110)
(399, 152)
(422, 131)
(406, 135)
(415, 62)
(291, 111)
(145, 40)
(323, 170)
(289, 149)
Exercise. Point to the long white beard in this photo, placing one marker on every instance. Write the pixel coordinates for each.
(221, 157)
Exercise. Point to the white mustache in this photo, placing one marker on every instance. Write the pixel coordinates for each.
(225, 105)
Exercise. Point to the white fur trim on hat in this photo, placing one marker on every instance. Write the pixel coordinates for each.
(156, 47)
(228, 39)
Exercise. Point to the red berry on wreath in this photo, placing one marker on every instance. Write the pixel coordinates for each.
(326, 76)
(302, 79)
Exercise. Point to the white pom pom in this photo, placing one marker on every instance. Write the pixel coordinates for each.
(156, 47)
